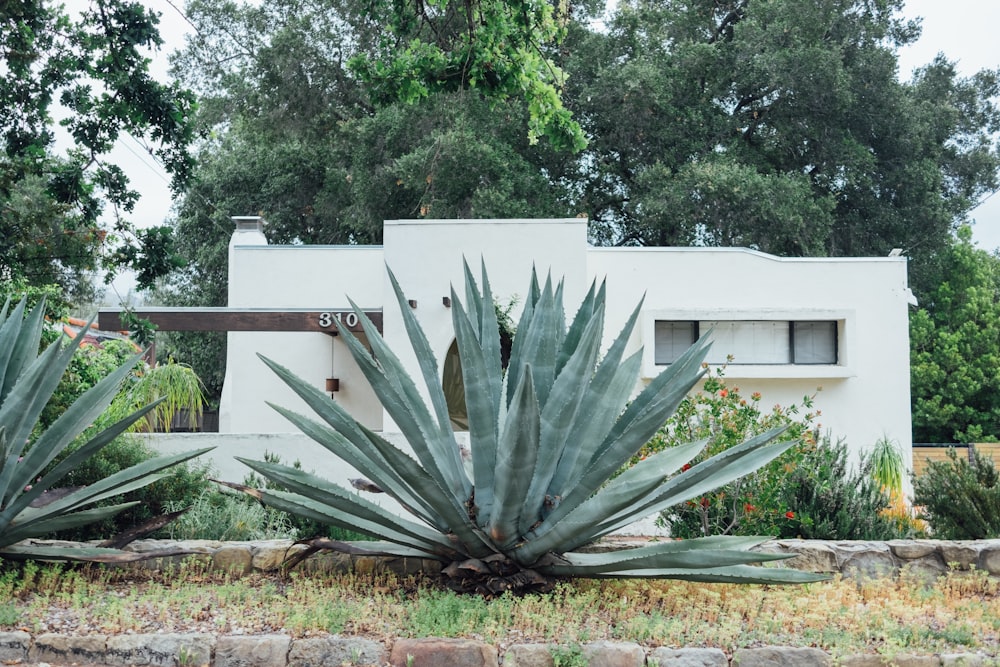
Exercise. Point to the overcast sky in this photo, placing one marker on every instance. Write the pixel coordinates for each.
(964, 30)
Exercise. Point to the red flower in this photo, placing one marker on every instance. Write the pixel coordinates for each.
(749, 508)
(705, 502)
(789, 515)
(724, 393)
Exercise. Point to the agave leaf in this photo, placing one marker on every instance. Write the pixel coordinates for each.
(26, 334)
(516, 458)
(524, 327)
(733, 574)
(458, 522)
(540, 346)
(650, 409)
(399, 396)
(482, 406)
(44, 524)
(131, 478)
(489, 337)
(299, 505)
(560, 320)
(25, 401)
(661, 556)
(65, 429)
(710, 474)
(635, 484)
(19, 500)
(322, 491)
(83, 554)
(429, 370)
(10, 329)
(655, 404)
(558, 416)
(606, 397)
(34, 386)
(349, 442)
(580, 322)
(473, 300)
(369, 462)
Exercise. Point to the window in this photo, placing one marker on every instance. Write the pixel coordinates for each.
(672, 338)
(750, 341)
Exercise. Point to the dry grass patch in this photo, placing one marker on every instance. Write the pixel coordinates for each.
(960, 612)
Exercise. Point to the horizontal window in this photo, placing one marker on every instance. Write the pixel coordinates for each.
(750, 341)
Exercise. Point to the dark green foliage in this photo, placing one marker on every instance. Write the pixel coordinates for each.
(93, 63)
(180, 488)
(960, 500)
(955, 348)
(835, 500)
(701, 112)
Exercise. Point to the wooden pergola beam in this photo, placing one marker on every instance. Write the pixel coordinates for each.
(235, 319)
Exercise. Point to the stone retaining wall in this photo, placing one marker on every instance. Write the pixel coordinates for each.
(196, 650)
(851, 558)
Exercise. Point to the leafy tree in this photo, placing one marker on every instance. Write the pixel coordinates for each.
(293, 136)
(94, 66)
(498, 47)
(777, 125)
(955, 348)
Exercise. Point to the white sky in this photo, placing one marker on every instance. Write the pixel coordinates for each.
(964, 30)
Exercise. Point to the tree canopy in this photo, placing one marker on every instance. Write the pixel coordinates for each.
(955, 348)
(769, 124)
(780, 126)
(92, 69)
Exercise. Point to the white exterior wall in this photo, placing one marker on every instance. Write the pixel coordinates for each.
(863, 398)
(318, 278)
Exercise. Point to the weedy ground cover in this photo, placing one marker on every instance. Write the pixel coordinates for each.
(960, 612)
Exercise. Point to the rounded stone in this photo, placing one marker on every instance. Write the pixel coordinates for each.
(233, 558)
(960, 555)
(989, 559)
(911, 549)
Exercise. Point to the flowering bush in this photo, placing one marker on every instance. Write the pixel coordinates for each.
(810, 491)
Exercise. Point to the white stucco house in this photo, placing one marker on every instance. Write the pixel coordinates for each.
(790, 324)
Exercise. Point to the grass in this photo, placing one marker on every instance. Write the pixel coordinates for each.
(958, 613)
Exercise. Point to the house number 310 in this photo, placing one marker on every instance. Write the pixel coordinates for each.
(350, 319)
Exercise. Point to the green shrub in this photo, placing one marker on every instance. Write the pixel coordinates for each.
(215, 515)
(183, 485)
(810, 491)
(960, 500)
(87, 367)
(832, 500)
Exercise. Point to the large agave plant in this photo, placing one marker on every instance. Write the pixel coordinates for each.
(31, 504)
(547, 439)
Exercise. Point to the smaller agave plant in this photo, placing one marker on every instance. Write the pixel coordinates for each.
(547, 439)
(31, 503)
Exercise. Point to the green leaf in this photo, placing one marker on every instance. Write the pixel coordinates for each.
(516, 457)
(331, 495)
